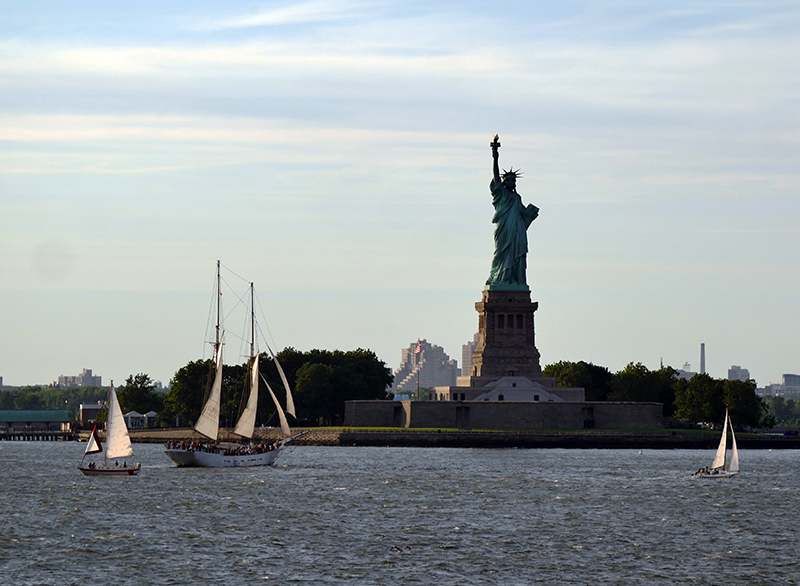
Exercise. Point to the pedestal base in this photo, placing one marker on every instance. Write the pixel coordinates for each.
(506, 338)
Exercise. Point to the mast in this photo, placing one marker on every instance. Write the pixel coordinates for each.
(219, 302)
(252, 323)
(108, 417)
(733, 464)
(246, 424)
(208, 422)
(719, 457)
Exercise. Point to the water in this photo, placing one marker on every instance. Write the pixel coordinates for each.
(401, 516)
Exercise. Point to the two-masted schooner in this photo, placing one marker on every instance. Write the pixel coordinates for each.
(210, 452)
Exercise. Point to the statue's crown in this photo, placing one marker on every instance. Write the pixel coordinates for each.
(512, 173)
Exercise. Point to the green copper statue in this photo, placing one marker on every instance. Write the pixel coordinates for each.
(510, 234)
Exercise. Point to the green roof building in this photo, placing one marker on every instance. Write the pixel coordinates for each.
(34, 419)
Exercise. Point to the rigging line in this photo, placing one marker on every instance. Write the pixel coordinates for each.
(241, 297)
(210, 319)
(234, 273)
(241, 302)
(258, 299)
(269, 348)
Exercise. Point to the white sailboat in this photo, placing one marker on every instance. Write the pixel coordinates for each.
(215, 454)
(720, 468)
(118, 445)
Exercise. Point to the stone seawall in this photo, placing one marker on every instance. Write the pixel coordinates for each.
(495, 439)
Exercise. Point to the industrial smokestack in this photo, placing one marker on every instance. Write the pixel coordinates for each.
(702, 358)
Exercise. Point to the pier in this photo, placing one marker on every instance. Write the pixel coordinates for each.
(39, 436)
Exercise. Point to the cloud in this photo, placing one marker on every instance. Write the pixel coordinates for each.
(781, 181)
(701, 77)
(315, 11)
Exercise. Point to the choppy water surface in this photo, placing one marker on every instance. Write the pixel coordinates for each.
(390, 516)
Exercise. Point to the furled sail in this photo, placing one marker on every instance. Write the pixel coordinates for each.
(247, 422)
(733, 465)
(284, 424)
(719, 458)
(118, 444)
(208, 422)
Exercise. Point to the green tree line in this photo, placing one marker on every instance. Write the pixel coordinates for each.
(321, 382)
(37, 397)
(785, 411)
(699, 399)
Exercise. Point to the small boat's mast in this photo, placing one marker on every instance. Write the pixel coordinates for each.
(730, 424)
(219, 301)
(252, 323)
(108, 412)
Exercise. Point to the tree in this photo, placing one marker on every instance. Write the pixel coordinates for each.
(36, 397)
(322, 392)
(321, 382)
(316, 391)
(28, 401)
(139, 394)
(701, 398)
(636, 382)
(187, 389)
(785, 412)
(594, 379)
(744, 405)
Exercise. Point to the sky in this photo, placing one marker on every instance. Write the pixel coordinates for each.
(336, 154)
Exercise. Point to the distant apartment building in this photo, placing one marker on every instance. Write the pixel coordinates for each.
(84, 379)
(792, 380)
(738, 373)
(424, 365)
(467, 350)
(685, 372)
(788, 389)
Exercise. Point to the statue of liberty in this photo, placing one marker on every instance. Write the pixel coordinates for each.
(510, 234)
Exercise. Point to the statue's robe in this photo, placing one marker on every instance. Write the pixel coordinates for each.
(511, 220)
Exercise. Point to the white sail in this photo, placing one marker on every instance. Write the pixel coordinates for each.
(289, 401)
(118, 444)
(247, 422)
(208, 422)
(719, 458)
(284, 424)
(733, 465)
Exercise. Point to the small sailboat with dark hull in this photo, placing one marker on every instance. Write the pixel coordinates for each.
(209, 452)
(722, 466)
(118, 445)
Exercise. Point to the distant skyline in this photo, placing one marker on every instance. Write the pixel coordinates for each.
(337, 154)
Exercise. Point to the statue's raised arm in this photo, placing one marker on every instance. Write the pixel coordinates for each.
(495, 144)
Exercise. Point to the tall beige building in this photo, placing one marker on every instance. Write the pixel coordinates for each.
(466, 355)
(430, 367)
(84, 379)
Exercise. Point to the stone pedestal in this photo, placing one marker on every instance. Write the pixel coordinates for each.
(506, 339)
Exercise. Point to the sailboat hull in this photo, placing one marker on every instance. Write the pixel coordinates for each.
(218, 459)
(717, 476)
(107, 470)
